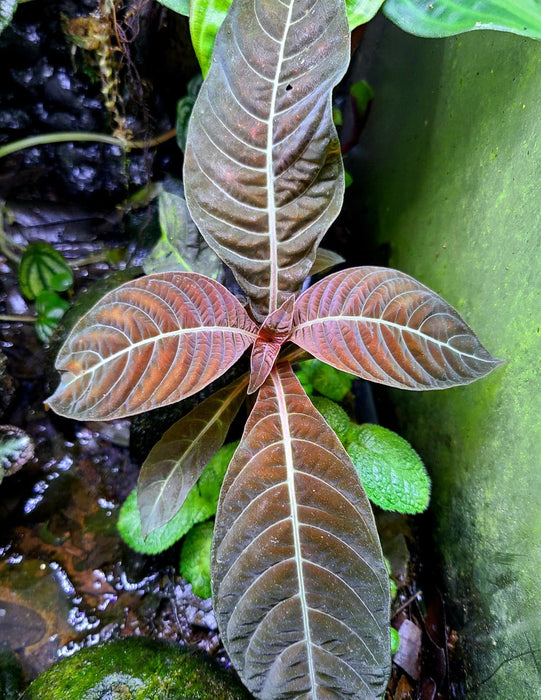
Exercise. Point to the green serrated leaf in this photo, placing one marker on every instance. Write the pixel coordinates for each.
(42, 268)
(334, 414)
(195, 558)
(324, 379)
(180, 6)
(180, 247)
(50, 309)
(7, 10)
(200, 505)
(448, 17)
(391, 472)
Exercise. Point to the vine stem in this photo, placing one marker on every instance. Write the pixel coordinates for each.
(67, 136)
(17, 318)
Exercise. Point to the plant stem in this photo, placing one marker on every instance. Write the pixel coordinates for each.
(67, 136)
(16, 318)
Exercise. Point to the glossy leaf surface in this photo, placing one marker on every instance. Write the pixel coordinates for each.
(384, 326)
(263, 170)
(447, 17)
(180, 6)
(7, 10)
(43, 268)
(361, 11)
(176, 462)
(149, 343)
(301, 591)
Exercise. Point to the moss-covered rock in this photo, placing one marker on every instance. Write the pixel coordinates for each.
(136, 669)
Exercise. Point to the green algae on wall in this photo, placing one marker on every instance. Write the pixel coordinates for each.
(450, 171)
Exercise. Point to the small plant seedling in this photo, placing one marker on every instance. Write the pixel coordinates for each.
(299, 584)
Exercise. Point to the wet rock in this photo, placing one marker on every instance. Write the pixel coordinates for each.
(7, 386)
(136, 669)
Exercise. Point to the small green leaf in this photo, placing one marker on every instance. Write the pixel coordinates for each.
(195, 558)
(395, 640)
(361, 11)
(50, 309)
(184, 110)
(392, 473)
(41, 268)
(348, 179)
(16, 449)
(180, 247)
(362, 93)
(200, 505)
(7, 10)
(180, 6)
(334, 414)
(447, 17)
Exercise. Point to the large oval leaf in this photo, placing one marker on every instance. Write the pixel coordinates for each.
(383, 325)
(447, 17)
(301, 592)
(176, 462)
(263, 172)
(149, 343)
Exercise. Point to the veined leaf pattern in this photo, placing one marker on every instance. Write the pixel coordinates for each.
(263, 171)
(301, 591)
(177, 460)
(148, 343)
(383, 325)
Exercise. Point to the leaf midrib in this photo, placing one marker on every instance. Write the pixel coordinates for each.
(154, 339)
(271, 196)
(389, 324)
(283, 415)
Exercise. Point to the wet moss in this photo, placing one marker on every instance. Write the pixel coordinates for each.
(136, 669)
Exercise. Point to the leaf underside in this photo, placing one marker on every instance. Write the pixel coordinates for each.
(301, 593)
(176, 462)
(263, 170)
(149, 343)
(384, 326)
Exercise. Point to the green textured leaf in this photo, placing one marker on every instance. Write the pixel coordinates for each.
(195, 558)
(7, 10)
(392, 473)
(199, 505)
(41, 268)
(395, 640)
(326, 380)
(50, 309)
(180, 6)
(447, 17)
(180, 247)
(334, 414)
(360, 11)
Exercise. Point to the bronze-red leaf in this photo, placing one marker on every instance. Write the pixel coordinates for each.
(149, 343)
(383, 325)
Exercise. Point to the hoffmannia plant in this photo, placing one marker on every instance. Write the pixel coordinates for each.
(299, 584)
